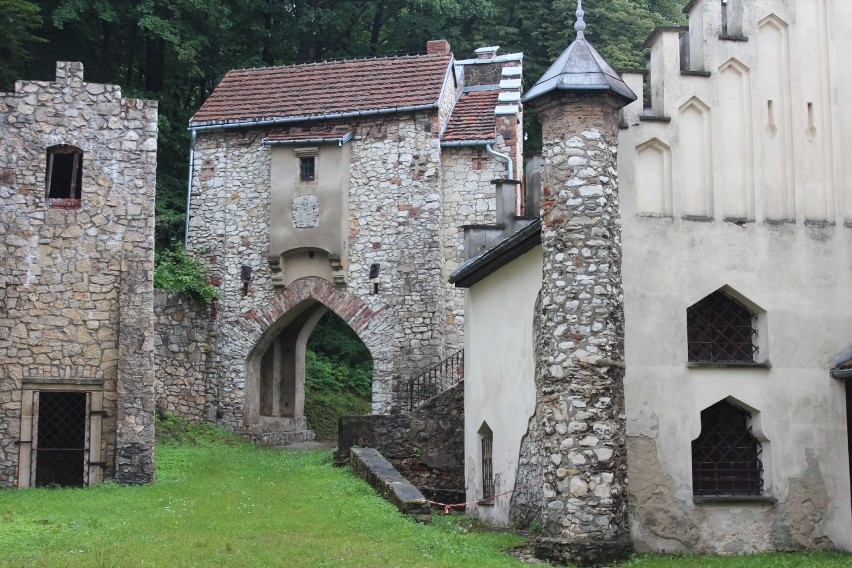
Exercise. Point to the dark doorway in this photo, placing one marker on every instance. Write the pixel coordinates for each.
(61, 439)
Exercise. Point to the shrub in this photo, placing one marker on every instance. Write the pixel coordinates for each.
(176, 270)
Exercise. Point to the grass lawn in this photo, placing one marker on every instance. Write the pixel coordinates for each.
(226, 503)
(238, 505)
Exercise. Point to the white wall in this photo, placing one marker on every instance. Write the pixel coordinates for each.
(499, 375)
(746, 186)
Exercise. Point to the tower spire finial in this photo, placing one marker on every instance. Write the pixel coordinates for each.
(580, 25)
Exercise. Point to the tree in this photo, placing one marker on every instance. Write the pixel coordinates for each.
(20, 20)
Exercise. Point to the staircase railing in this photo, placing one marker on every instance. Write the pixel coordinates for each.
(433, 380)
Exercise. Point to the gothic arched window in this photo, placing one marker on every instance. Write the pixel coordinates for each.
(726, 456)
(720, 329)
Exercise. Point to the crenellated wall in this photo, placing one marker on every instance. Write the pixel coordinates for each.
(76, 274)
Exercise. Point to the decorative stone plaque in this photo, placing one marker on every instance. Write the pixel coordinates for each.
(305, 211)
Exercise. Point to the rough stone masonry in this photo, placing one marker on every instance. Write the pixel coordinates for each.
(574, 456)
(76, 288)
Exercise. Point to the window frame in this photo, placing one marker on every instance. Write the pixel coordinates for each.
(73, 185)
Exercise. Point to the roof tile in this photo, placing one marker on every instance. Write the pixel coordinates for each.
(473, 118)
(320, 89)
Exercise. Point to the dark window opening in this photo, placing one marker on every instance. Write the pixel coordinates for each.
(726, 456)
(486, 438)
(307, 168)
(720, 330)
(61, 439)
(64, 175)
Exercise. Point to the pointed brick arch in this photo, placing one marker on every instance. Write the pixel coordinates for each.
(349, 307)
(295, 311)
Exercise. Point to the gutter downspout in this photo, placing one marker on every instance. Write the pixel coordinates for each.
(506, 158)
(189, 186)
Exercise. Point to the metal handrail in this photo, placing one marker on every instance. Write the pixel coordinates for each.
(433, 380)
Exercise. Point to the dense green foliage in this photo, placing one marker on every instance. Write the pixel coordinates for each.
(176, 51)
(176, 270)
(220, 503)
(338, 376)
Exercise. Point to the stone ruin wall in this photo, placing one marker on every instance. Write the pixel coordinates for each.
(62, 269)
(182, 346)
(426, 445)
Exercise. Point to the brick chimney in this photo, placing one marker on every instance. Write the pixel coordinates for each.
(438, 47)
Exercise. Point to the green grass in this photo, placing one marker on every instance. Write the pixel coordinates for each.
(221, 502)
(232, 505)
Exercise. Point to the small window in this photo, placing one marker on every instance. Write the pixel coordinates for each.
(486, 438)
(307, 168)
(720, 330)
(726, 456)
(64, 176)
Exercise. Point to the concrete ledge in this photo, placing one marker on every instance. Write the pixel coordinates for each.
(371, 466)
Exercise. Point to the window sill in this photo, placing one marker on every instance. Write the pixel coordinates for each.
(489, 502)
(720, 365)
(54, 203)
(734, 500)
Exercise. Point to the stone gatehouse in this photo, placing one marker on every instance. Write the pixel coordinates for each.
(77, 179)
(340, 186)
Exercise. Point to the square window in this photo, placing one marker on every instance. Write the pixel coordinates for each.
(307, 168)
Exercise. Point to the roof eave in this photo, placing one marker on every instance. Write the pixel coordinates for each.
(497, 256)
(202, 125)
(457, 143)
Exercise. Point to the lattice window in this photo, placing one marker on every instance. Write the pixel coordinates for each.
(720, 330)
(726, 456)
(486, 438)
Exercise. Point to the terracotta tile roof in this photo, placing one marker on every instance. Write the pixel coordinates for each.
(303, 134)
(473, 117)
(322, 89)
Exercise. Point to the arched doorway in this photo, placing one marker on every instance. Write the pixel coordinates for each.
(338, 376)
(273, 410)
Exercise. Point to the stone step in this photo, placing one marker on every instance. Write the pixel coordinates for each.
(276, 439)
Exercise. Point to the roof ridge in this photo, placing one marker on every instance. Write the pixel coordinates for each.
(350, 60)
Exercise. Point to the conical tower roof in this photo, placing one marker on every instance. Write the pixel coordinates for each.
(580, 68)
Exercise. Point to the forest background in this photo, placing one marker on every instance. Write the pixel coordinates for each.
(176, 52)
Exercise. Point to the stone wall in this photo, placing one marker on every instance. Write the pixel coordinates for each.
(425, 445)
(64, 264)
(182, 349)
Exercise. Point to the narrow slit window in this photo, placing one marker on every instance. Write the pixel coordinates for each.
(486, 438)
(64, 174)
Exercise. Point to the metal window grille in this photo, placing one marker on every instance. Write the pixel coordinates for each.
(60, 436)
(720, 330)
(726, 456)
(487, 466)
(307, 168)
